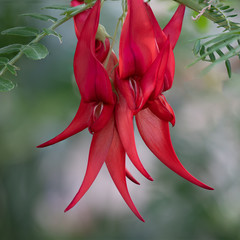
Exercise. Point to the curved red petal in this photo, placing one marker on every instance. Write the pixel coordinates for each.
(99, 149)
(159, 34)
(161, 39)
(152, 81)
(124, 120)
(91, 77)
(80, 122)
(75, 3)
(79, 18)
(156, 135)
(162, 109)
(170, 71)
(103, 119)
(130, 177)
(137, 48)
(102, 49)
(124, 88)
(116, 166)
(174, 27)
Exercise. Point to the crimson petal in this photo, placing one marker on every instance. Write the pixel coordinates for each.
(156, 135)
(91, 77)
(104, 117)
(174, 26)
(161, 38)
(124, 120)
(159, 34)
(116, 166)
(102, 49)
(170, 71)
(99, 149)
(80, 122)
(79, 18)
(162, 109)
(130, 177)
(137, 47)
(152, 81)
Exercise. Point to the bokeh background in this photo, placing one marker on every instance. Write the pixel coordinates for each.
(37, 184)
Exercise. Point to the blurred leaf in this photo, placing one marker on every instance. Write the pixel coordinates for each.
(11, 48)
(35, 51)
(202, 23)
(57, 7)
(228, 66)
(3, 60)
(11, 69)
(54, 33)
(5, 85)
(21, 31)
(42, 17)
(197, 47)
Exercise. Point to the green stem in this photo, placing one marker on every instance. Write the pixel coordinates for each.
(44, 34)
(113, 43)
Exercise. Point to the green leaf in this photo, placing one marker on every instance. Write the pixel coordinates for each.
(57, 7)
(35, 51)
(21, 31)
(54, 33)
(197, 47)
(73, 10)
(212, 57)
(3, 60)
(11, 69)
(6, 85)
(42, 17)
(202, 50)
(11, 48)
(229, 69)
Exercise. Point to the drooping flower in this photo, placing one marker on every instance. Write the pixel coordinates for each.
(96, 110)
(146, 69)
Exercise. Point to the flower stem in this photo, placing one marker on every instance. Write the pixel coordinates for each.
(113, 42)
(44, 33)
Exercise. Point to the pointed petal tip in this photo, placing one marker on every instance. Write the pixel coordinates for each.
(207, 187)
(140, 217)
(68, 208)
(42, 145)
(150, 178)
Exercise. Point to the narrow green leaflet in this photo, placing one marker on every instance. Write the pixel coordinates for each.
(6, 85)
(11, 48)
(42, 17)
(35, 51)
(3, 60)
(11, 69)
(197, 47)
(57, 7)
(228, 66)
(72, 10)
(21, 31)
(54, 33)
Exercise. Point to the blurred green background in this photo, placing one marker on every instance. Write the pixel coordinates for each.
(37, 184)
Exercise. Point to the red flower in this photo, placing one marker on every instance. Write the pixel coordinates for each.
(146, 69)
(96, 110)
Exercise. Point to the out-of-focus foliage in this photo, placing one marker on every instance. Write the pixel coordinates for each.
(36, 185)
(218, 47)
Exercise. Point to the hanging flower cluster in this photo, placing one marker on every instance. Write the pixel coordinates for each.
(114, 91)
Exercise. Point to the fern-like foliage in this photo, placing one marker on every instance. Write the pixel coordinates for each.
(223, 46)
(220, 13)
(34, 50)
